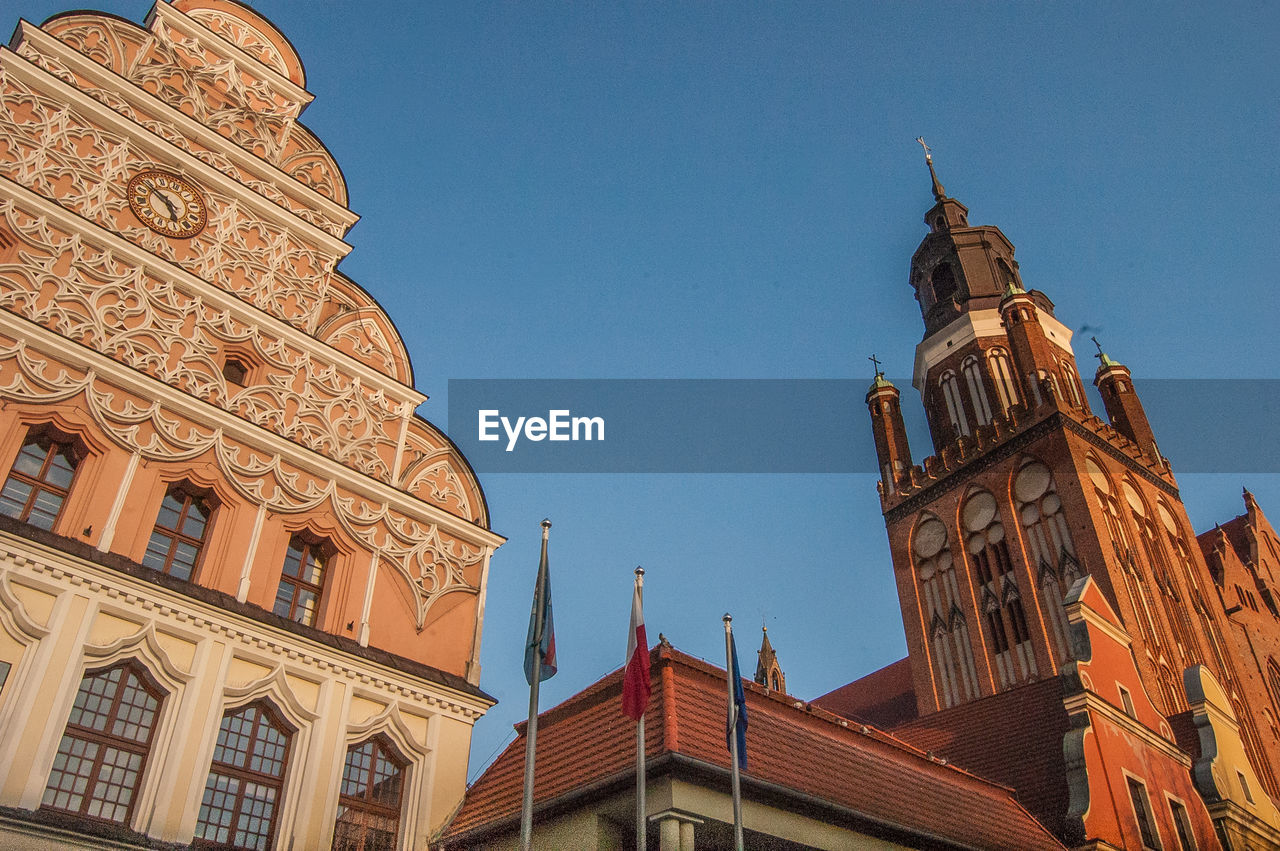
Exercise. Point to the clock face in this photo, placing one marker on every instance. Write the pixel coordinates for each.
(167, 204)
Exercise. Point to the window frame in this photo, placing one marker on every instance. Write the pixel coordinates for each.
(312, 549)
(105, 740)
(245, 775)
(174, 537)
(364, 804)
(1143, 813)
(1182, 828)
(60, 445)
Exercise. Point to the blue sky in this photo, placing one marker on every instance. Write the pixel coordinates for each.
(733, 190)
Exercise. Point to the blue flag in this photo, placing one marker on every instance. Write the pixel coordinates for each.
(542, 632)
(739, 709)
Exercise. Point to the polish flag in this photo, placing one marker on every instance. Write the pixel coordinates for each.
(635, 680)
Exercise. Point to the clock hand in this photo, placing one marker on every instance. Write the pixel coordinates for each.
(164, 199)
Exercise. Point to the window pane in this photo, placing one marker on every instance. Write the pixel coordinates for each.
(14, 497)
(31, 459)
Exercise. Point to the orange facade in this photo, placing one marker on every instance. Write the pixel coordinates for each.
(216, 484)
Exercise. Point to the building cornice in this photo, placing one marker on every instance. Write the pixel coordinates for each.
(111, 577)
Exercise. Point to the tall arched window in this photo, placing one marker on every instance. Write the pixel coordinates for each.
(950, 387)
(948, 630)
(1002, 377)
(1000, 598)
(40, 479)
(242, 795)
(943, 281)
(1153, 555)
(179, 534)
(98, 768)
(1049, 545)
(369, 805)
(972, 369)
(1273, 681)
(1071, 380)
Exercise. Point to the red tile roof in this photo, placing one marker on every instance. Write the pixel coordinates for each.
(1014, 738)
(866, 777)
(885, 698)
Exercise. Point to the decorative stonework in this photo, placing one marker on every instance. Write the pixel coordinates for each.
(102, 301)
(212, 89)
(432, 563)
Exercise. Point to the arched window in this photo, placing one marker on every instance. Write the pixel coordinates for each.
(943, 281)
(1071, 381)
(1273, 681)
(950, 387)
(369, 805)
(1153, 554)
(972, 370)
(179, 534)
(40, 479)
(99, 763)
(242, 795)
(999, 595)
(1002, 377)
(1049, 545)
(948, 630)
(302, 580)
(1007, 278)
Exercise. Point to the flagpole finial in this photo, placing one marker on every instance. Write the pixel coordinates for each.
(639, 571)
(546, 528)
(728, 619)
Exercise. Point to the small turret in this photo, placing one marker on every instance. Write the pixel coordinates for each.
(768, 672)
(889, 430)
(1124, 409)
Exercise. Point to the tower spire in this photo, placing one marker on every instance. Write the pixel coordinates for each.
(938, 191)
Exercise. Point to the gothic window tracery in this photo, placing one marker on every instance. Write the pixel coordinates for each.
(1002, 377)
(1049, 545)
(947, 628)
(1158, 569)
(1000, 598)
(950, 387)
(977, 391)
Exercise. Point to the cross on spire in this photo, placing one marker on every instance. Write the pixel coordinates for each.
(1099, 355)
(875, 362)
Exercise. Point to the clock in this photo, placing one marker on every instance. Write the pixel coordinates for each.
(168, 204)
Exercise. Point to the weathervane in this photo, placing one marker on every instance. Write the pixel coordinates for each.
(928, 155)
(939, 192)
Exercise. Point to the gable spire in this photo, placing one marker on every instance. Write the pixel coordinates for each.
(939, 192)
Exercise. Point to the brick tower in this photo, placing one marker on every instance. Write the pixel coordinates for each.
(1027, 492)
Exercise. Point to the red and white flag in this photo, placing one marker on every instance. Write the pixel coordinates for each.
(635, 680)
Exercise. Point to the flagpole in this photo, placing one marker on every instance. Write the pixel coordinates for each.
(641, 825)
(531, 731)
(733, 734)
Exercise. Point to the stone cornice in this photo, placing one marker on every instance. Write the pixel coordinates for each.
(54, 559)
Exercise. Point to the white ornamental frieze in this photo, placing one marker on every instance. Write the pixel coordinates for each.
(87, 294)
(54, 151)
(271, 132)
(431, 563)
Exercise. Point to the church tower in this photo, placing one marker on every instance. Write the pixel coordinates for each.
(1027, 491)
(768, 671)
